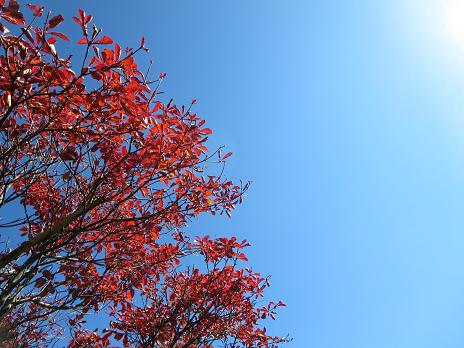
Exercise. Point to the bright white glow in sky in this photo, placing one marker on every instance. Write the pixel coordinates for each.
(430, 35)
(437, 24)
(453, 18)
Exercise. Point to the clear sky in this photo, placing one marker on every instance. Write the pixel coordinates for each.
(349, 118)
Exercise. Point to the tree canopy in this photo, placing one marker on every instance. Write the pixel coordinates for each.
(98, 180)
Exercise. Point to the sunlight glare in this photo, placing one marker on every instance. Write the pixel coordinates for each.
(454, 21)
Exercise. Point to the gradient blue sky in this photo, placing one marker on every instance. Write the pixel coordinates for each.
(349, 118)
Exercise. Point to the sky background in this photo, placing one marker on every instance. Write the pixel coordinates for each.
(348, 116)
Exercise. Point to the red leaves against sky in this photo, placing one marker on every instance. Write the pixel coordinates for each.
(106, 178)
(11, 12)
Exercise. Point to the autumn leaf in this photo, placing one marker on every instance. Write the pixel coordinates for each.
(11, 13)
(36, 9)
(105, 40)
(206, 131)
(55, 21)
(60, 35)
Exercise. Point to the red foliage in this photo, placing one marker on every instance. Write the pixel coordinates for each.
(103, 178)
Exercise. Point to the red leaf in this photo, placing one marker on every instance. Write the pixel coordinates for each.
(27, 34)
(47, 274)
(69, 154)
(206, 131)
(3, 28)
(50, 46)
(87, 19)
(66, 176)
(81, 14)
(227, 155)
(55, 21)
(13, 5)
(60, 35)
(12, 14)
(158, 106)
(40, 282)
(37, 9)
(105, 40)
(117, 51)
(83, 41)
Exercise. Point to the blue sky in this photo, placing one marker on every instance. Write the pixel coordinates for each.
(349, 118)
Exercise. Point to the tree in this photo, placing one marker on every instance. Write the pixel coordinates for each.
(98, 179)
